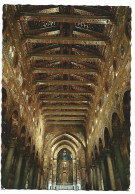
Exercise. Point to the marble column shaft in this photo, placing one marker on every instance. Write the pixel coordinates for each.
(91, 178)
(25, 173)
(7, 166)
(35, 174)
(30, 177)
(120, 165)
(41, 182)
(111, 173)
(95, 179)
(104, 175)
(98, 177)
(38, 179)
(18, 170)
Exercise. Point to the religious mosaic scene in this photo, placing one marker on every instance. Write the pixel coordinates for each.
(66, 74)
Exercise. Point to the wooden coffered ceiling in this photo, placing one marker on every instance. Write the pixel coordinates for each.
(65, 49)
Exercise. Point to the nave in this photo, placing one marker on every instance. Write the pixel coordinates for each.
(66, 97)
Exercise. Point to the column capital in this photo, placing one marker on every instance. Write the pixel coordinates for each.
(107, 151)
(27, 151)
(42, 172)
(102, 157)
(116, 141)
(39, 168)
(32, 160)
(97, 161)
(21, 149)
(88, 170)
(117, 131)
(125, 126)
(93, 165)
(20, 141)
(13, 142)
(90, 167)
(38, 163)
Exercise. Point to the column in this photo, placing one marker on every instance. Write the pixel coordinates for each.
(110, 168)
(83, 177)
(78, 175)
(35, 176)
(120, 165)
(95, 178)
(91, 178)
(8, 162)
(38, 178)
(41, 182)
(54, 172)
(18, 168)
(46, 174)
(50, 179)
(25, 173)
(98, 176)
(74, 173)
(30, 176)
(104, 174)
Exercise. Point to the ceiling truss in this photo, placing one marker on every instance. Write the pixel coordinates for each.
(65, 46)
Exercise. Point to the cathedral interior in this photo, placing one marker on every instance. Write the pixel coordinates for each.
(66, 97)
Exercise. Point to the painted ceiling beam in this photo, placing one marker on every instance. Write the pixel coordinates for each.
(65, 122)
(65, 92)
(65, 82)
(40, 31)
(65, 118)
(83, 50)
(90, 33)
(56, 70)
(64, 40)
(65, 113)
(65, 18)
(65, 107)
(46, 48)
(65, 100)
(92, 9)
(65, 57)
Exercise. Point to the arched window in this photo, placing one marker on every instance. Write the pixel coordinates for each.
(4, 104)
(23, 132)
(126, 106)
(107, 138)
(14, 123)
(100, 145)
(115, 125)
(96, 153)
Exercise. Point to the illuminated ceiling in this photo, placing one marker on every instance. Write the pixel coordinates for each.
(65, 50)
